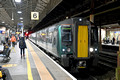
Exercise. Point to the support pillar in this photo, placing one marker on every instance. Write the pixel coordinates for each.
(22, 31)
(92, 18)
(106, 32)
(92, 11)
(118, 65)
(100, 42)
(100, 39)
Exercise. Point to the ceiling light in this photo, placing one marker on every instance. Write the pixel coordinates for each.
(21, 21)
(21, 18)
(12, 16)
(12, 19)
(19, 12)
(17, 0)
(3, 22)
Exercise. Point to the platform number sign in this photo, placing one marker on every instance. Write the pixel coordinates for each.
(34, 15)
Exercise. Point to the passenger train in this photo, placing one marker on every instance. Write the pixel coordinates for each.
(74, 42)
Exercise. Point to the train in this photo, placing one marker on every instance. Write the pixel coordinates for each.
(74, 42)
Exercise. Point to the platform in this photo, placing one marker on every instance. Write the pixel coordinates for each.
(109, 44)
(35, 66)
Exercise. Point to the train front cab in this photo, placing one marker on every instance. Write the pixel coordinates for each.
(85, 51)
(65, 43)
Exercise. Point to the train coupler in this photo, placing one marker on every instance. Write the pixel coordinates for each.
(82, 64)
(65, 61)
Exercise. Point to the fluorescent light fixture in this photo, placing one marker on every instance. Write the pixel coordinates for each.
(3, 22)
(12, 19)
(17, 0)
(21, 21)
(19, 12)
(21, 18)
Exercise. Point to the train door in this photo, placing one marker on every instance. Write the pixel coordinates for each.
(82, 41)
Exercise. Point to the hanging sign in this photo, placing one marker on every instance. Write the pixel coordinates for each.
(34, 15)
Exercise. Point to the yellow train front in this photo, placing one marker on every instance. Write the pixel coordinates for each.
(85, 43)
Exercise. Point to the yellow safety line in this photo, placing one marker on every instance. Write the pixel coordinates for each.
(28, 67)
(43, 72)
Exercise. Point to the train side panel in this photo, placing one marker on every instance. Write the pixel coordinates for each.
(48, 40)
(33, 37)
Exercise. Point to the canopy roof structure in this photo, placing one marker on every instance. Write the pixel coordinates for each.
(53, 11)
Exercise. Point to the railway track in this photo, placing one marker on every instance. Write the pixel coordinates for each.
(108, 59)
(83, 75)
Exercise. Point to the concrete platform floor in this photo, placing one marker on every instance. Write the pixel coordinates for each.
(35, 65)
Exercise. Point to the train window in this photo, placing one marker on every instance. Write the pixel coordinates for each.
(94, 36)
(54, 41)
(64, 30)
(66, 35)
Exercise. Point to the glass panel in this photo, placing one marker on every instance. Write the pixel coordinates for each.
(66, 35)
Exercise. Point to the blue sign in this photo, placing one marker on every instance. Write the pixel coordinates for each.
(117, 32)
(20, 24)
(1, 31)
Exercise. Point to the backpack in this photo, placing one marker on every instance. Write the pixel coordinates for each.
(21, 43)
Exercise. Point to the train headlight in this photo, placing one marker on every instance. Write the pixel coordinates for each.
(80, 19)
(68, 50)
(95, 49)
(91, 49)
(63, 50)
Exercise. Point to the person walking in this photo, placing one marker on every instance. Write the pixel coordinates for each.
(22, 46)
(13, 40)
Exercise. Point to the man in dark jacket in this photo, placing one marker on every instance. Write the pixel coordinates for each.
(22, 46)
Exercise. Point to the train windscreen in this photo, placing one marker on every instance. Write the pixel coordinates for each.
(66, 34)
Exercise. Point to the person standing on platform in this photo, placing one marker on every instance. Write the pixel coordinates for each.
(113, 40)
(6, 39)
(13, 40)
(22, 46)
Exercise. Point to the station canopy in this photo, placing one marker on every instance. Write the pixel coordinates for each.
(13, 12)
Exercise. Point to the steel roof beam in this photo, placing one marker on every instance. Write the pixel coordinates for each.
(44, 1)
